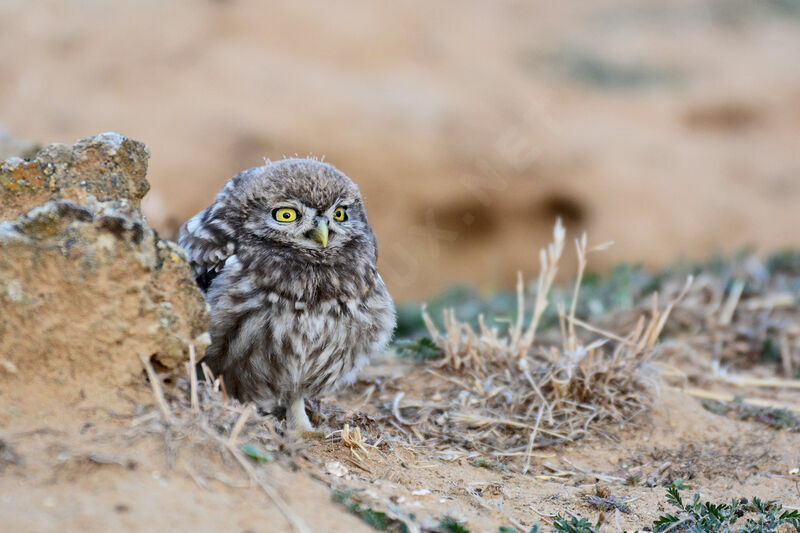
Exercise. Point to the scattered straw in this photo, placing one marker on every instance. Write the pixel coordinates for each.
(726, 315)
(749, 381)
(529, 451)
(352, 438)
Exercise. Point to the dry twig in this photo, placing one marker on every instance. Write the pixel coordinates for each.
(155, 383)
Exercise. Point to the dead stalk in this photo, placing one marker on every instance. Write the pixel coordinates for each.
(155, 383)
(193, 379)
(297, 523)
(240, 423)
(531, 441)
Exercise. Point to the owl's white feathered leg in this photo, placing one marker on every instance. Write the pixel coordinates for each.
(296, 415)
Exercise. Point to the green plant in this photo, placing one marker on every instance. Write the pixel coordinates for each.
(451, 525)
(422, 349)
(700, 516)
(573, 525)
(784, 261)
(256, 453)
(491, 465)
(376, 519)
(633, 480)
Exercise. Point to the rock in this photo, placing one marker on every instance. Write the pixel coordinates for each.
(85, 285)
(107, 167)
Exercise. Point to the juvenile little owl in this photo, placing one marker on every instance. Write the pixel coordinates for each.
(287, 260)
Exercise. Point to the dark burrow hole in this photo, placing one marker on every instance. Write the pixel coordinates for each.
(572, 211)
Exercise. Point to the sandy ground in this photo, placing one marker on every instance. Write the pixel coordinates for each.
(84, 470)
(718, 457)
(669, 127)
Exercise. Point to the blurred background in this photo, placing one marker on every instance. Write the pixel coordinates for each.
(669, 126)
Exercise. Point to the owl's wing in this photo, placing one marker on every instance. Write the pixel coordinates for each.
(208, 246)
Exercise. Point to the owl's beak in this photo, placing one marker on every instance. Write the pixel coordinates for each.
(320, 232)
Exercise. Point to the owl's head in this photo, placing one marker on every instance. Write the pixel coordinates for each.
(300, 205)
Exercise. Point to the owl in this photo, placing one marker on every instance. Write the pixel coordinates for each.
(288, 262)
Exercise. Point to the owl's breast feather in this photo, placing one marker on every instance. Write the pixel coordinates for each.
(323, 344)
(276, 334)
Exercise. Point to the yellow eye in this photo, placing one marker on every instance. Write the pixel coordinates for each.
(340, 214)
(285, 214)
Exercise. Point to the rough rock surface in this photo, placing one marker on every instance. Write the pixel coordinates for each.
(107, 167)
(85, 285)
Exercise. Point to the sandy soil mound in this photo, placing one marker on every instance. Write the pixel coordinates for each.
(86, 286)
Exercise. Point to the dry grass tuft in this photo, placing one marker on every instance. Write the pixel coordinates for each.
(738, 323)
(510, 395)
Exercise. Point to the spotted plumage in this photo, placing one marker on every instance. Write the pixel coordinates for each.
(287, 259)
